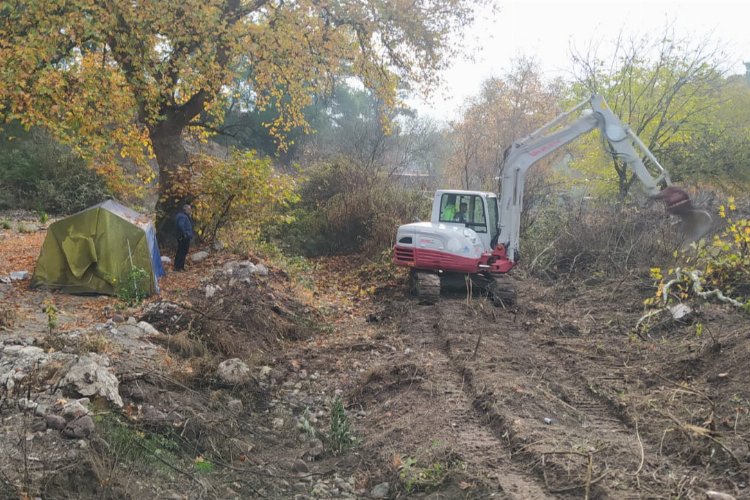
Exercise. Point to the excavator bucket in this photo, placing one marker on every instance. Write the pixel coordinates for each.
(695, 222)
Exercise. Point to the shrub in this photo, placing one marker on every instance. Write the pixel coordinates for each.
(341, 437)
(596, 237)
(239, 195)
(715, 268)
(342, 210)
(37, 173)
(133, 286)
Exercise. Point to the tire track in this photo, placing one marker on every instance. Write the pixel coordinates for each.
(532, 395)
(485, 451)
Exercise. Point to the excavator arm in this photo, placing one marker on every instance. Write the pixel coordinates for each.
(622, 144)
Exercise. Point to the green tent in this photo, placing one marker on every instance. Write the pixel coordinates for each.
(90, 251)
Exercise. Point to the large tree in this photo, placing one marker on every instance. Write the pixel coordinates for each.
(716, 154)
(506, 109)
(129, 77)
(664, 88)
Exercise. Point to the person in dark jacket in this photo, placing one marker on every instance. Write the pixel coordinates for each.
(184, 234)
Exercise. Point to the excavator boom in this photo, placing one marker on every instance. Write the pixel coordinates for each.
(620, 141)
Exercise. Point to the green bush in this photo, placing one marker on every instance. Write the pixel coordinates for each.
(344, 210)
(133, 286)
(341, 437)
(37, 173)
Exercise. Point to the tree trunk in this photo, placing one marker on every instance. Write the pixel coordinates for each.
(170, 155)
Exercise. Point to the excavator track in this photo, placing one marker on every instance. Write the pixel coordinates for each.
(425, 286)
(502, 290)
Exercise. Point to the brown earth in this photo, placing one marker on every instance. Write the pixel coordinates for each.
(557, 397)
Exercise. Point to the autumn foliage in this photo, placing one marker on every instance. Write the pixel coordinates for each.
(123, 79)
(717, 267)
(240, 194)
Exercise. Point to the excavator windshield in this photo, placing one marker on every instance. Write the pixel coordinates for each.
(465, 209)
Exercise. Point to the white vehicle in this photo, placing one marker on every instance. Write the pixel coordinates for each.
(474, 234)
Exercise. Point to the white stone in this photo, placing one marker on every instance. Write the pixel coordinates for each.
(233, 371)
(165, 260)
(90, 376)
(199, 256)
(148, 328)
(680, 311)
(380, 491)
(19, 275)
(717, 495)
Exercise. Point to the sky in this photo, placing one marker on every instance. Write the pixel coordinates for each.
(546, 30)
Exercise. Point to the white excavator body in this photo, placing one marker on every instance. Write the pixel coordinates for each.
(477, 233)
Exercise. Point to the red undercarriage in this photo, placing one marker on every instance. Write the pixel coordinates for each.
(434, 260)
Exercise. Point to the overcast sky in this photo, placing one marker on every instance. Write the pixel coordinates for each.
(547, 29)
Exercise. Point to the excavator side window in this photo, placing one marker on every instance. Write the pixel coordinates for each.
(492, 207)
(448, 207)
(476, 219)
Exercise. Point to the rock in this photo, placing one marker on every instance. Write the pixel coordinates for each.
(235, 406)
(55, 422)
(261, 270)
(233, 371)
(147, 328)
(5, 280)
(153, 415)
(41, 410)
(131, 321)
(79, 428)
(278, 423)
(680, 311)
(321, 490)
(74, 409)
(244, 270)
(133, 392)
(218, 245)
(717, 495)
(39, 425)
(228, 268)
(118, 318)
(199, 256)
(19, 275)
(264, 372)
(380, 491)
(211, 290)
(90, 376)
(27, 405)
(17, 362)
(300, 467)
(165, 260)
(315, 451)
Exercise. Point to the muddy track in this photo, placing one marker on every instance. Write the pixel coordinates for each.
(485, 453)
(549, 404)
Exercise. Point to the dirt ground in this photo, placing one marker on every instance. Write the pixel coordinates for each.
(556, 397)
